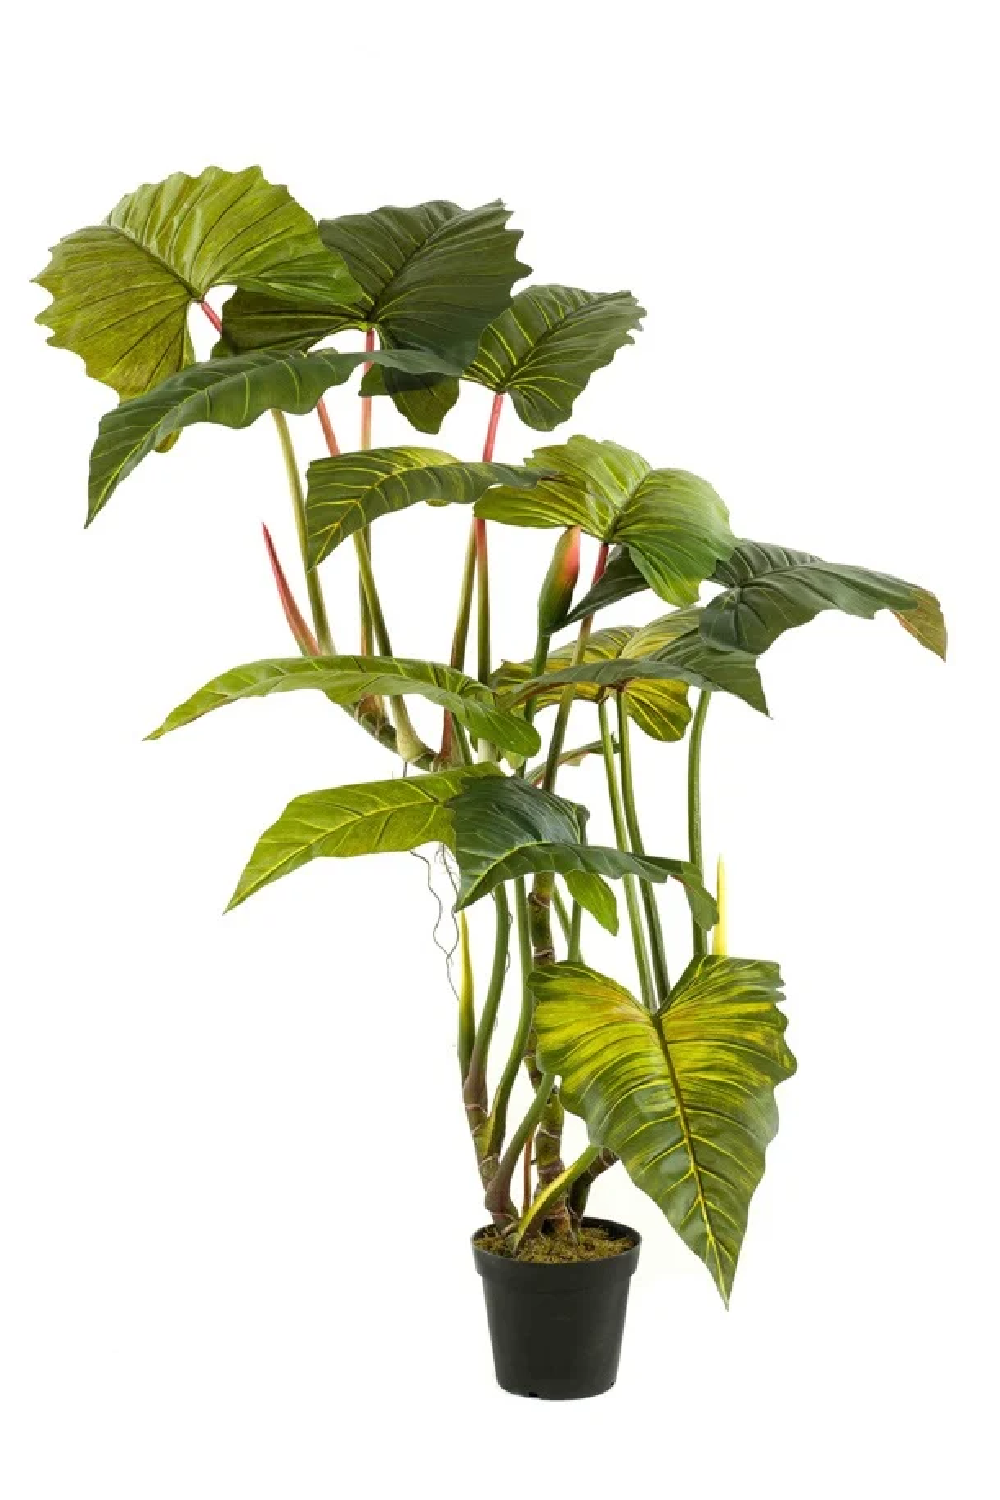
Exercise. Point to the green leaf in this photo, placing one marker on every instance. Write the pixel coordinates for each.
(672, 652)
(771, 589)
(229, 392)
(677, 638)
(594, 895)
(685, 1097)
(433, 275)
(620, 579)
(350, 491)
(350, 679)
(510, 828)
(375, 817)
(424, 401)
(545, 346)
(674, 524)
(660, 708)
(121, 289)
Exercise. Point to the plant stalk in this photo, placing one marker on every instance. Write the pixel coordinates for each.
(498, 1199)
(695, 850)
(631, 900)
(497, 1127)
(649, 903)
(474, 1087)
(317, 605)
(364, 444)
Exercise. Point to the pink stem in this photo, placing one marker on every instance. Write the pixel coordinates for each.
(304, 637)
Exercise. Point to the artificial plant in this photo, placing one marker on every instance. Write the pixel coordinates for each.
(678, 1083)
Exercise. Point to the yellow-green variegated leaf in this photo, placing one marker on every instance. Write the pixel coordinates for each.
(674, 525)
(227, 392)
(659, 707)
(121, 289)
(348, 680)
(350, 491)
(684, 1097)
(771, 589)
(507, 828)
(651, 666)
(375, 817)
(544, 347)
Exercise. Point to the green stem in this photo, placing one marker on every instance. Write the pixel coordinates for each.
(474, 1088)
(482, 556)
(649, 904)
(466, 999)
(316, 602)
(534, 1216)
(461, 636)
(498, 1199)
(409, 744)
(631, 900)
(565, 919)
(695, 851)
(497, 1127)
(573, 941)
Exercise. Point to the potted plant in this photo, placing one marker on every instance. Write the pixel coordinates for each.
(676, 1083)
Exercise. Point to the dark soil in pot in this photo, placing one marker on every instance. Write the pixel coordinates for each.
(556, 1324)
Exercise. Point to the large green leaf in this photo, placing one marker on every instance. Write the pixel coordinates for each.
(375, 817)
(507, 827)
(545, 346)
(122, 289)
(350, 679)
(674, 524)
(658, 707)
(229, 392)
(771, 589)
(431, 277)
(677, 637)
(354, 489)
(685, 1097)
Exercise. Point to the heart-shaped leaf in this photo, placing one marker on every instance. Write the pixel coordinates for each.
(432, 277)
(350, 679)
(510, 828)
(685, 1097)
(673, 523)
(229, 392)
(375, 817)
(545, 346)
(121, 289)
(771, 589)
(352, 490)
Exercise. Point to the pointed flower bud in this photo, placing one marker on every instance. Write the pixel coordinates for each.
(557, 591)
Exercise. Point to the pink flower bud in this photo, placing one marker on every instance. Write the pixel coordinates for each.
(557, 591)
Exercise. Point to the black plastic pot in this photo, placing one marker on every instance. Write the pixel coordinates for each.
(557, 1330)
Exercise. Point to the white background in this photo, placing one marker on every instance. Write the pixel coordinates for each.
(235, 1186)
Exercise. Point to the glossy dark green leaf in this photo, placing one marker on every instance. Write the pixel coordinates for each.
(545, 346)
(510, 828)
(122, 289)
(350, 491)
(375, 817)
(230, 392)
(620, 579)
(424, 401)
(351, 679)
(677, 637)
(674, 525)
(685, 1098)
(771, 589)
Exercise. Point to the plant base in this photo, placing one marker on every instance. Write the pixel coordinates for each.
(556, 1328)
